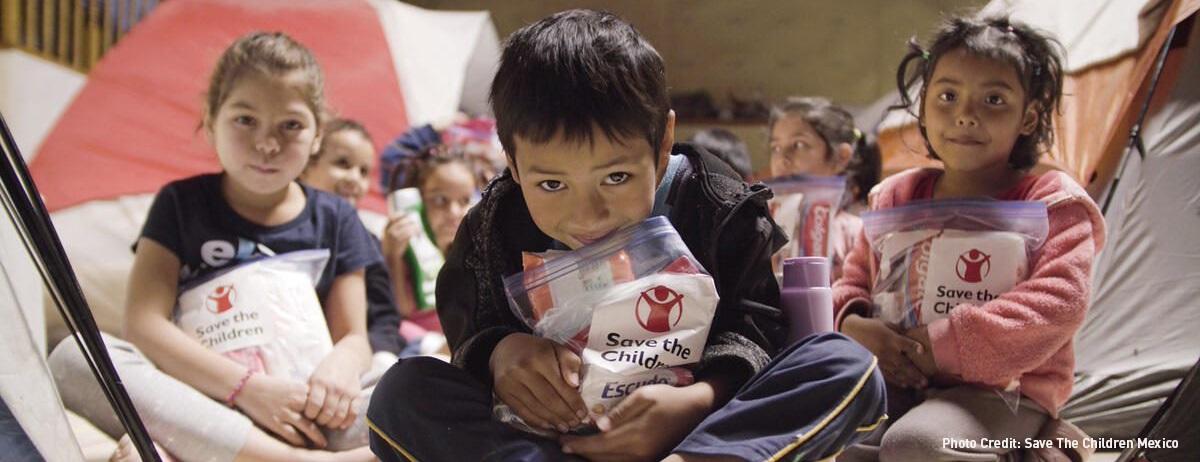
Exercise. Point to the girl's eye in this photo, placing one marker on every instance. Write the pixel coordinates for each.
(995, 100)
(616, 178)
(551, 185)
(343, 163)
(293, 125)
(947, 96)
(365, 172)
(244, 120)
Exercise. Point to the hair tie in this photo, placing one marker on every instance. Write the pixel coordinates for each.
(858, 135)
(925, 54)
(1010, 29)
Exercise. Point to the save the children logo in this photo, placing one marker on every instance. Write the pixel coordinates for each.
(221, 299)
(654, 307)
(973, 265)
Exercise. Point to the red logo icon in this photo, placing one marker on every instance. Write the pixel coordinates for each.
(221, 299)
(973, 265)
(654, 307)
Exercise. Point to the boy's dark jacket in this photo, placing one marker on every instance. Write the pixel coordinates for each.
(724, 222)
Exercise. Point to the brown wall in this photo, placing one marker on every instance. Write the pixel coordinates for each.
(846, 50)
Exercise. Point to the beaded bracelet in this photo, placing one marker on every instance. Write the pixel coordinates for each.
(238, 388)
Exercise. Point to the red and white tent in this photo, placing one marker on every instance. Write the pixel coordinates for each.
(132, 127)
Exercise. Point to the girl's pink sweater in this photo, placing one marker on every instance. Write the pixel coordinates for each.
(1026, 334)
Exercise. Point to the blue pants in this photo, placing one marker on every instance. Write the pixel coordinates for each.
(817, 397)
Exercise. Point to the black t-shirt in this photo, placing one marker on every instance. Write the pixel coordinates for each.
(191, 218)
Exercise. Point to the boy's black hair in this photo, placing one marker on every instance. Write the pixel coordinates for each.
(835, 125)
(1033, 54)
(576, 70)
(726, 146)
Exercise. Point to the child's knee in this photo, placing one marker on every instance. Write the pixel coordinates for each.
(404, 387)
(67, 364)
(909, 442)
(841, 358)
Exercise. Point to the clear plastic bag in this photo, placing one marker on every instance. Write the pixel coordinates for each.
(935, 255)
(805, 207)
(264, 314)
(636, 307)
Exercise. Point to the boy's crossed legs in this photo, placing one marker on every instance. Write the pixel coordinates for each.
(814, 399)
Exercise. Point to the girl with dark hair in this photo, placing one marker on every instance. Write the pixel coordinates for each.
(989, 88)
(448, 185)
(813, 136)
(265, 116)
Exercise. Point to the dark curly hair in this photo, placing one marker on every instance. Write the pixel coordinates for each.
(1034, 54)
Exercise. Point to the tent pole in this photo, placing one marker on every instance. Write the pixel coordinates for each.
(1135, 133)
(32, 221)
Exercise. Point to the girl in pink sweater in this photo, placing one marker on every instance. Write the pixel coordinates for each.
(989, 89)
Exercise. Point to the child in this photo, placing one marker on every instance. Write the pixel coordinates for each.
(813, 136)
(582, 111)
(448, 186)
(264, 112)
(343, 166)
(989, 90)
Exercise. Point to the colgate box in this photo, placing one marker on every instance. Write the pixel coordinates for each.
(264, 314)
(804, 206)
(636, 307)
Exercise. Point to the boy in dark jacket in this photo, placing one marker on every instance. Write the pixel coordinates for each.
(582, 111)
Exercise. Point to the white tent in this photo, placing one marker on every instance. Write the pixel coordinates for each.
(1140, 336)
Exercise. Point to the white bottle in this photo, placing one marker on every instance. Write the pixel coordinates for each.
(423, 257)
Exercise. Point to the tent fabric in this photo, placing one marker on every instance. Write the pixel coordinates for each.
(1139, 337)
(27, 388)
(447, 61)
(1095, 31)
(1178, 423)
(133, 127)
(1126, 93)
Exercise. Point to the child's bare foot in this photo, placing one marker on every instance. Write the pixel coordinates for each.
(127, 453)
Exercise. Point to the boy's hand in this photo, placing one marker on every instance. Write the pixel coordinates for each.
(893, 349)
(399, 230)
(333, 391)
(646, 425)
(539, 379)
(276, 404)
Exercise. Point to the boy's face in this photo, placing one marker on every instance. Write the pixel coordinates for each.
(579, 193)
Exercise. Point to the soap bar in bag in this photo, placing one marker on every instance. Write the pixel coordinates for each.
(934, 255)
(925, 274)
(971, 267)
(661, 320)
(264, 314)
